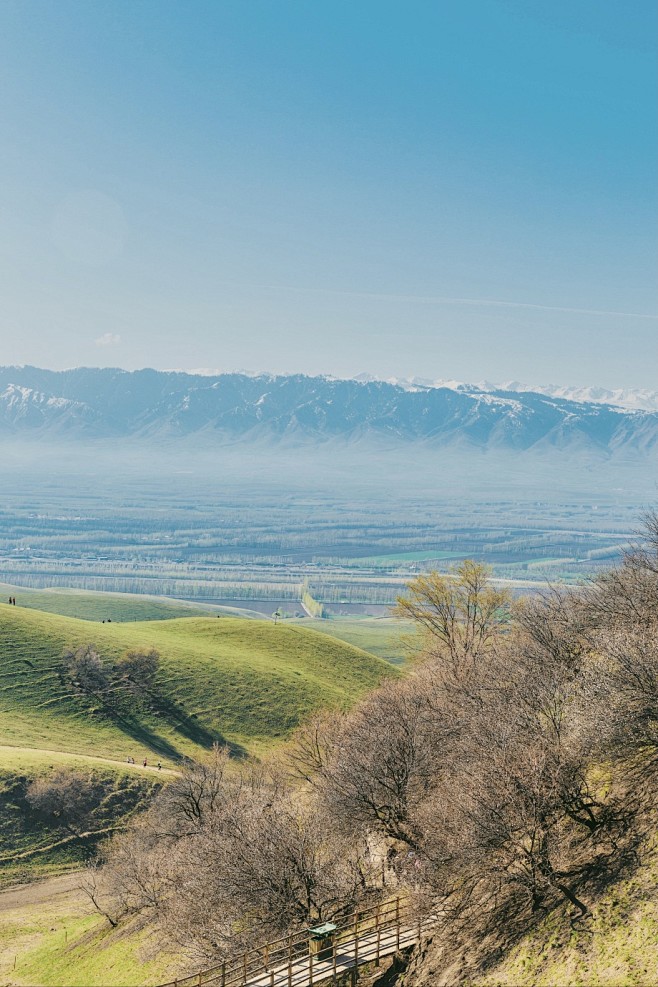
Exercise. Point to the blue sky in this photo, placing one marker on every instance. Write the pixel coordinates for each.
(423, 188)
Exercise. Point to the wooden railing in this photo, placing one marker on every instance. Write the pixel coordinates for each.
(371, 933)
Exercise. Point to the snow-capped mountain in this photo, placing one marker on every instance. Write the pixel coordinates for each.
(634, 399)
(26, 407)
(153, 404)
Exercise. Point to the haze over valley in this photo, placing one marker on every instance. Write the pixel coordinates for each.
(246, 490)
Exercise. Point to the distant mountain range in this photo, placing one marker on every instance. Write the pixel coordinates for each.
(635, 399)
(104, 403)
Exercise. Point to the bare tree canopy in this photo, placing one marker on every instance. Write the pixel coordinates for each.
(461, 611)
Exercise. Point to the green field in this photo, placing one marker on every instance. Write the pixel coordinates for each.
(381, 636)
(247, 683)
(90, 605)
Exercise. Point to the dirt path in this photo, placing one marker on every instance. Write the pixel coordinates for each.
(42, 892)
(89, 757)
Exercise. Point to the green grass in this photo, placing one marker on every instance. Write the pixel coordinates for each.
(242, 682)
(384, 637)
(35, 844)
(56, 938)
(99, 606)
(248, 683)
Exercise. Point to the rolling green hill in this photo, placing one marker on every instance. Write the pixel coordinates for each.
(243, 682)
(381, 636)
(95, 605)
(247, 683)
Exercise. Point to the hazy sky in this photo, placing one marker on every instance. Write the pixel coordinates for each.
(454, 188)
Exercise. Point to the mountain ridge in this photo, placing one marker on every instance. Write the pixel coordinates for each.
(146, 404)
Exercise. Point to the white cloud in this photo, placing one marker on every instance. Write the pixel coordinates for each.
(108, 339)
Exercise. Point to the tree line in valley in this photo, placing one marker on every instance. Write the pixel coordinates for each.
(512, 771)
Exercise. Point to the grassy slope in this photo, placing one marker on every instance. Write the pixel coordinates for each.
(617, 948)
(53, 936)
(381, 636)
(90, 605)
(34, 845)
(245, 682)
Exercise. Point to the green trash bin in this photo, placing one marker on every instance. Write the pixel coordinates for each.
(321, 941)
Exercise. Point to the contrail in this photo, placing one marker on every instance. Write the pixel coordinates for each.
(441, 300)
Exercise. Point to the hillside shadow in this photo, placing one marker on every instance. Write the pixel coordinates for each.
(131, 723)
(191, 728)
(143, 734)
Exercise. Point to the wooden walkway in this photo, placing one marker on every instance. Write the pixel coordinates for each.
(372, 935)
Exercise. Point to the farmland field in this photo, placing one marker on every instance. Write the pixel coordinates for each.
(209, 532)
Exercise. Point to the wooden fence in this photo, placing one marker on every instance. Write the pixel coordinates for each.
(371, 934)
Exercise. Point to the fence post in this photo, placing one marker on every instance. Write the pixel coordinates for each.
(290, 960)
(378, 935)
(310, 968)
(224, 974)
(271, 978)
(420, 927)
(267, 957)
(244, 967)
(335, 947)
(356, 946)
(397, 924)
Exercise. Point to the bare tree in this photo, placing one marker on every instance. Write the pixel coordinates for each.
(461, 611)
(138, 668)
(373, 766)
(69, 797)
(87, 669)
(94, 885)
(199, 792)
(226, 850)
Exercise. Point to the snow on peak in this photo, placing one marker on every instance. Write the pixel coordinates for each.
(631, 399)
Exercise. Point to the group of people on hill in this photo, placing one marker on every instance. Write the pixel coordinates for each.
(12, 601)
(131, 760)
